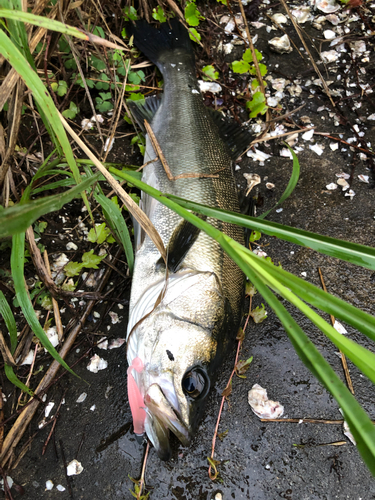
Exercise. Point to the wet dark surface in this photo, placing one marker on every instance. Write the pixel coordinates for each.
(259, 460)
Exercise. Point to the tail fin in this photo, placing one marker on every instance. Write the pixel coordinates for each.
(154, 42)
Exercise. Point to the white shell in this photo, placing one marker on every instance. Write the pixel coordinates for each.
(327, 6)
(280, 45)
(261, 405)
(74, 468)
(329, 56)
(279, 18)
(302, 14)
(329, 34)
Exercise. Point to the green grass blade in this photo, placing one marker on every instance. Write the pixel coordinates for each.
(9, 320)
(18, 218)
(54, 185)
(12, 377)
(360, 356)
(361, 255)
(17, 267)
(115, 218)
(32, 80)
(362, 321)
(291, 184)
(43, 22)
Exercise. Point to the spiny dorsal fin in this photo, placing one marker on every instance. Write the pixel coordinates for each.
(146, 110)
(235, 136)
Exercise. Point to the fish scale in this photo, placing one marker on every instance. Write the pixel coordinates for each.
(186, 335)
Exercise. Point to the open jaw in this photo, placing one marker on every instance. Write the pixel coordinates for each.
(160, 419)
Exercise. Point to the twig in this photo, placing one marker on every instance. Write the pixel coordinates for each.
(56, 416)
(142, 480)
(159, 152)
(137, 213)
(291, 17)
(56, 309)
(302, 420)
(240, 340)
(66, 469)
(343, 357)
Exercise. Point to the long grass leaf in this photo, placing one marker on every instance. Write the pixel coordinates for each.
(32, 80)
(50, 24)
(362, 321)
(9, 320)
(115, 218)
(18, 218)
(12, 377)
(291, 184)
(360, 255)
(360, 356)
(17, 267)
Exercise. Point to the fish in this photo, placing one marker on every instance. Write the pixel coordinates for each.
(183, 315)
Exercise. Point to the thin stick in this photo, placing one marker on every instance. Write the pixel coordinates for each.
(343, 357)
(302, 420)
(210, 475)
(142, 481)
(291, 17)
(56, 309)
(159, 152)
(56, 416)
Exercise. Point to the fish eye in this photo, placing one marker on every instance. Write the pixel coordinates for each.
(194, 383)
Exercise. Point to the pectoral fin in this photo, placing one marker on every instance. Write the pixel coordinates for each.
(181, 241)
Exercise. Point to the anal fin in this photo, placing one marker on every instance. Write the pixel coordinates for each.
(146, 110)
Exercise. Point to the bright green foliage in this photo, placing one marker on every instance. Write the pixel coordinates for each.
(192, 14)
(139, 141)
(137, 97)
(71, 112)
(210, 73)
(158, 14)
(103, 85)
(224, 2)
(103, 102)
(99, 234)
(89, 260)
(259, 314)
(255, 235)
(257, 105)
(130, 14)
(60, 87)
(194, 35)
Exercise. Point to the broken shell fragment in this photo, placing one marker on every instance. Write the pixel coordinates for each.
(329, 34)
(302, 14)
(252, 180)
(327, 6)
(279, 18)
(343, 183)
(329, 56)
(331, 186)
(74, 468)
(97, 363)
(261, 405)
(269, 185)
(280, 45)
(209, 87)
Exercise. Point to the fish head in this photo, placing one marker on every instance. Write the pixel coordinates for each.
(178, 358)
(174, 379)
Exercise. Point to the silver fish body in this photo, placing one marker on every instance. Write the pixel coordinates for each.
(180, 342)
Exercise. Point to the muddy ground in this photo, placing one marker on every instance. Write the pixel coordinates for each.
(259, 460)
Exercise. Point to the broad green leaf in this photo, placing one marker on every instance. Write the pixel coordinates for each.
(73, 268)
(192, 14)
(130, 13)
(248, 56)
(257, 105)
(91, 261)
(240, 66)
(210, 73)
(158, 14)
(71, 112)
(99, 233)
(194, 35)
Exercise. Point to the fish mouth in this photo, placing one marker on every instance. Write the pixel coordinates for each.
(160, 419)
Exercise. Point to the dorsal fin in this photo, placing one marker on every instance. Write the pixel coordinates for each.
(235, 136)
(146, 110)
